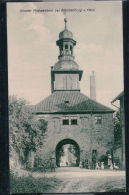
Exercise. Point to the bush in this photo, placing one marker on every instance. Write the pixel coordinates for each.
(30, 184)
(41, 165)
(104, 159)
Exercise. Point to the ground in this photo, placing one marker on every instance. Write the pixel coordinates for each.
(75, 179)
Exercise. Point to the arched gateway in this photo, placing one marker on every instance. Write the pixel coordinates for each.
(71, 114)
(68, 151)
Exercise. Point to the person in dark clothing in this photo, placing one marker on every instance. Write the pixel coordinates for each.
(52, 164)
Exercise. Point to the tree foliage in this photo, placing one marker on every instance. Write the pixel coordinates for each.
(117, 130)
(26, 132)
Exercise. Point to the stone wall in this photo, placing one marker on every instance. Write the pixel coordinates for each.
(87, 134)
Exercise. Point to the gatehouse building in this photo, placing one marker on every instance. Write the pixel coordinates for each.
(73, 118)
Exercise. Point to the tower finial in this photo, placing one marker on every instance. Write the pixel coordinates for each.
(65, 20)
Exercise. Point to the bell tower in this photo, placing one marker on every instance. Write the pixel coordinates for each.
(66, 44)
(65, 74)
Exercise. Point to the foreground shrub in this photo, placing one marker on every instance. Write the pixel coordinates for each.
(41, 165)
(30, 184)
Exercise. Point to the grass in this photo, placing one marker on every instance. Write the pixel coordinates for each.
(120, 188)
(113, 186)
(29, 184)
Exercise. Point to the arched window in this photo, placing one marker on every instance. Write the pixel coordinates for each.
(71, 50)
(66, 49)
(66, 46)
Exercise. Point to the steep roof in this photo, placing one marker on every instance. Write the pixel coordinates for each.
(69, 102)
(118, 97)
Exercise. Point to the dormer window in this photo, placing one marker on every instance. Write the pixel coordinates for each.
(66, 101)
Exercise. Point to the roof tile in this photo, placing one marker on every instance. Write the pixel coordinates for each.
(69, 101)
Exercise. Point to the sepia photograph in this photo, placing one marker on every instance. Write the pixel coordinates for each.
(66, 97)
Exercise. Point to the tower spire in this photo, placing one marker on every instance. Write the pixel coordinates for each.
(65, 20)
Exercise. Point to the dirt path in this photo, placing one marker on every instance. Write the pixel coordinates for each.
(81, 180)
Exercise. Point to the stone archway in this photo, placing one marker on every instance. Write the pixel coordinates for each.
(68, 150)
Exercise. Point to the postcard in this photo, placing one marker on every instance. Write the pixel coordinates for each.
(66, 97)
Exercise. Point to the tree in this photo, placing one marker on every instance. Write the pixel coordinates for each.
(26, 133)
(76, 153)
(117, 130)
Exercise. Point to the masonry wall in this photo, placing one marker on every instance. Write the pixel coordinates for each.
(87, 134)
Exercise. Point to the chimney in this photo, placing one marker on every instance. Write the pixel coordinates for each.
(92, 86)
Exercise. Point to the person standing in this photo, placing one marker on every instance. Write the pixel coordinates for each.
(52, 164)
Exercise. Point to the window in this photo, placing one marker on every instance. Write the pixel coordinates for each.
(56, 122)
(65, 121)
(66, 46)
(84, 122)
(66, 49)
(98, 120)
(73, 120)
(71, 50)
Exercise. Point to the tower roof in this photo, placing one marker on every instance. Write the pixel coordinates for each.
(66, 65)
(65, 33)
(69, 102)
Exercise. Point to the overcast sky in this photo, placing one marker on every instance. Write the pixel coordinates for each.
(32, 47)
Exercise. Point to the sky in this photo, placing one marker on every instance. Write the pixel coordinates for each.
(32, 46)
